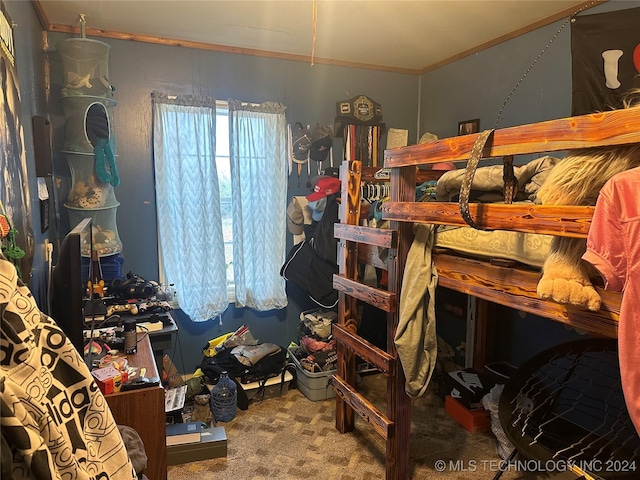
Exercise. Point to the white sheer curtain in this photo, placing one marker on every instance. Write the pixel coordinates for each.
(258, 154)
(188, 203)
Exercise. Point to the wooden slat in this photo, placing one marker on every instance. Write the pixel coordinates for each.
(42, 17)
(373, 296)
(561, 15)
(95, 32)
(617, 127)
(364, 349)
(483, 351)
(559, 220)
(422, 175)
(403, 189)
(349, 212)
(516, 288)
(379, 237)
(369, 255)
(363, 407)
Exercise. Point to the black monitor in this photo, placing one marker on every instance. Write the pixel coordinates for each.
(69, 285)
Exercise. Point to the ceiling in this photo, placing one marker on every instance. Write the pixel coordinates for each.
(396, 35)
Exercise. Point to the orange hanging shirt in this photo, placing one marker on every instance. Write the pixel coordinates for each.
(613, 247)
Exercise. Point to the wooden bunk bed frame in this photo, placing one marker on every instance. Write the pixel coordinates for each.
(492, 284)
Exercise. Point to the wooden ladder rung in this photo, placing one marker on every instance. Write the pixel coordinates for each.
(373, 296)
(378, 420)
(370, 255)
(558, 220)
(364, 349)
(380, 237)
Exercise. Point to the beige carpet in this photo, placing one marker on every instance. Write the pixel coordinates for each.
(290, 437)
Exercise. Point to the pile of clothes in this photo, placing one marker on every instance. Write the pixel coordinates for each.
(316, 351)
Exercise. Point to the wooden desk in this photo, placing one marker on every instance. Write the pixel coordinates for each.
(143, 410)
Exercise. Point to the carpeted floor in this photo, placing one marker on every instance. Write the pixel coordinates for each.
(291, 437)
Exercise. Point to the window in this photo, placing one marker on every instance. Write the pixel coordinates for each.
(223, 165)
(221, 178)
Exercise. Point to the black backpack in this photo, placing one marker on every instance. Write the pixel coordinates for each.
(312, 263)
(224, 361)
(312, 273)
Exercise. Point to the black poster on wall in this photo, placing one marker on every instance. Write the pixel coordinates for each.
(605, 59)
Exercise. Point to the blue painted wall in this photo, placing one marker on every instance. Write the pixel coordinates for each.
(474, 87)
(310, 94)
(136, 69)
(477, 87)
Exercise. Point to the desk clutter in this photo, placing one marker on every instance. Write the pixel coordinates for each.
(110, 379)
(132, 294)
(236, 371)
(113, 314)
(113, 372)
(113, 340)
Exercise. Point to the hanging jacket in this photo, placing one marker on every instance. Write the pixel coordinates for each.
(312, 263)
(415, 337)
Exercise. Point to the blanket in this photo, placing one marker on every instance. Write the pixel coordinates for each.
(487, 183)
(55, 421)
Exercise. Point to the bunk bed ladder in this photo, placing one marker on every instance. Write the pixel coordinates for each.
(355, 244)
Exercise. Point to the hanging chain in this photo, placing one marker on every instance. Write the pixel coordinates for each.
(542, 52)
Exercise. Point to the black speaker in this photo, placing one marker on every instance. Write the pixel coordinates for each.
(130, 336)
(42, 145)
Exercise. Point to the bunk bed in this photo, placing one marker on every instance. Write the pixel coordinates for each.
(490, 282)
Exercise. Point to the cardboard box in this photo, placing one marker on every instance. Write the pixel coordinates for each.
(212, 444)
(477, 420)
(170, 374)
(109, 379)
(467, 386)
(185, 432)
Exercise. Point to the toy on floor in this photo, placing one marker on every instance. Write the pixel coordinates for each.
(201, 409)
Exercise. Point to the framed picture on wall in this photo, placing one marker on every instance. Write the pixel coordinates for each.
(469, 126)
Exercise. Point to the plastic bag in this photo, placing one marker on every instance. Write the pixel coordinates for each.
(490, 402)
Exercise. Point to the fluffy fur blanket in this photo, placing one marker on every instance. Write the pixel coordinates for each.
(577, 180)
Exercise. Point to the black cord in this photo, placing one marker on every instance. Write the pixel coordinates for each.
(108, 319)
(542, 52)
(89, 360)
(179, 345)
(146, 334)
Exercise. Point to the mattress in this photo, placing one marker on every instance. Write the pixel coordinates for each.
(528, 248)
